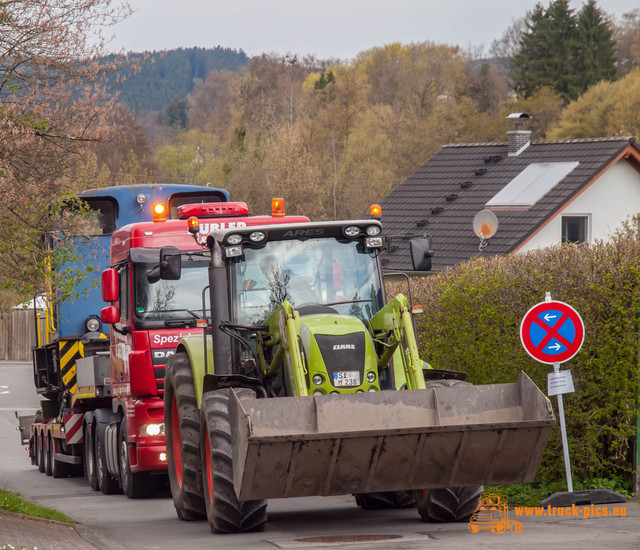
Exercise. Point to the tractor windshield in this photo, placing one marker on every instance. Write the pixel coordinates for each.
(181, 299)
(340, 274)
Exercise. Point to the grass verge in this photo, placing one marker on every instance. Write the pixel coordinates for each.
(13, 502)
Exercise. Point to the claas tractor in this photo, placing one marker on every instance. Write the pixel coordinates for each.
(308, 381)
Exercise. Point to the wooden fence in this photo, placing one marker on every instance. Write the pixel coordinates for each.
(17, 335)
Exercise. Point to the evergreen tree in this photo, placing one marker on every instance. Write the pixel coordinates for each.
(595, 57)
(566, 52)
(546, 52)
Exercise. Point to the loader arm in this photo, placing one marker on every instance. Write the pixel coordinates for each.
(284, 331)
(392, 327)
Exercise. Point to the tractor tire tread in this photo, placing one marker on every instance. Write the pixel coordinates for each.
(226, 513)
(449, 505)
(188, 498)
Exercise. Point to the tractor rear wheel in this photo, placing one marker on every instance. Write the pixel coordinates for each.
(386, 500)
(182, 433)
(448, 505)
(226, 514)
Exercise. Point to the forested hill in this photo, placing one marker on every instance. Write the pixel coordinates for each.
(165, 75)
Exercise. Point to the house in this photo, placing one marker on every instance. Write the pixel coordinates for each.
(542, 193)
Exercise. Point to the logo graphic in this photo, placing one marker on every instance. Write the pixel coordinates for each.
(492, 515)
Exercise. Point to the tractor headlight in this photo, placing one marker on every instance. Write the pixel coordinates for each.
(236, 238)
(371, 377)
(352, 231)
(257, 237)
(317, 379)
(152, 429)
(373, 230)
(233, 251)
(92, 324)
(373, 242)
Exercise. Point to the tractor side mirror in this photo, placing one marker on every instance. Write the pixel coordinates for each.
(110, 315)
(421, 254)
(110, 285)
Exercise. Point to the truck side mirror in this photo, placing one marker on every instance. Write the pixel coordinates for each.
(110, 315)
(421, 254)
(170, 263)
(110, 285)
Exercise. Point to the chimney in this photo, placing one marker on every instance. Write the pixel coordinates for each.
(519, 137)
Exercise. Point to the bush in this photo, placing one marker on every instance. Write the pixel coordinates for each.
(472, 323)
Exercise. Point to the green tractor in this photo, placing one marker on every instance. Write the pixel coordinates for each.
(292, 391)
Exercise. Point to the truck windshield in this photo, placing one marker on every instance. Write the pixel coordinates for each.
(339, 274)
(181, 299)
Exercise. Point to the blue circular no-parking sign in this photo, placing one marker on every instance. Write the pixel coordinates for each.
(552, 332)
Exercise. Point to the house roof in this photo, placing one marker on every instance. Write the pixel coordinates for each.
(441, 198)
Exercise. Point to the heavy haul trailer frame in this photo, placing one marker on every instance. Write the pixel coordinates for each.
(292, 390)
(78, 394)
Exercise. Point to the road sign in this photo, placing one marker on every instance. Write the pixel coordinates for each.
(552, 332)
(560, 382)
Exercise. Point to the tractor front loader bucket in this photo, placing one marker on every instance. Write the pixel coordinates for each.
(389, 440)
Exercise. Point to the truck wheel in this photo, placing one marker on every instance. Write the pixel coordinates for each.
(226, 514)
(48, 455)
(386, 500)
(108, 483)
(138, 485)
(58, 469)
(89, 457)
(448, 505)
(40, 451)
(182, 433)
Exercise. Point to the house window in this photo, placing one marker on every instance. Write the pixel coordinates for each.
(575, 229)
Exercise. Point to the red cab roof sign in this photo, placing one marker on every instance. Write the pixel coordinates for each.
(552, 332)
(213, 209)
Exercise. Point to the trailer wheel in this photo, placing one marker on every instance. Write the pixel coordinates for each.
(386, 500)
(48, 455)
(134, 485)
(89, 457)
(40, 451)
(182, 433)
(108, 483)
(448, 505)
(226, 514)
(58, 469)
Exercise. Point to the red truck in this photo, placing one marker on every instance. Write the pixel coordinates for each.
(113, 421)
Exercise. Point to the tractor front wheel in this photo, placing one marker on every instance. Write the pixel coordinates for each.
(226, 514)
(448, 505)
(182, 433)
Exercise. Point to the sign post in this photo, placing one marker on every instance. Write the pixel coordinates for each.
(552, 333)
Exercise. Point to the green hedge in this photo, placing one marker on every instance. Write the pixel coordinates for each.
(472, 321)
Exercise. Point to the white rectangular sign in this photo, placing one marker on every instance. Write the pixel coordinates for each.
(559, 382)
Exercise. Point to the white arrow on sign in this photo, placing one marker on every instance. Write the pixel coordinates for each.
(4, 389)
(555, 347)
(548, 317)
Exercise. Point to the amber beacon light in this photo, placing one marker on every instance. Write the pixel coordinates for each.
(277, 207)
(159, 212)
(375, 212)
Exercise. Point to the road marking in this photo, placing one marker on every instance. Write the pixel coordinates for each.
(4, 389)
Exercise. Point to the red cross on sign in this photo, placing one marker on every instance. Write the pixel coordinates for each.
(552, 332)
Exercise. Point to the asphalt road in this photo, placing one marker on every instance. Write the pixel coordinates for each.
(117, 523)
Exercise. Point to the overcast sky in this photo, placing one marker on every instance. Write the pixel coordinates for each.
(325, 28)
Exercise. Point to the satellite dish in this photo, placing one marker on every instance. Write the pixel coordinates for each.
(485, 224)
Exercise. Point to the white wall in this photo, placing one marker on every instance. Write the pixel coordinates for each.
(610, 200)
